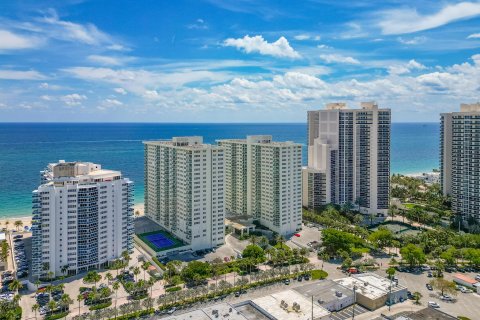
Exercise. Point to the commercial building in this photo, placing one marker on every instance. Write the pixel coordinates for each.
(460, 160)
(466, 281)
(290, 305)
(218, 311)
(263, 180)
(351, 147)
(185, 188)
(328, 294)
(373, 291)
(82, 218)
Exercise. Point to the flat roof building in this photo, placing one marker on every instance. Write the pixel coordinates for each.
(328, 294)
(351, 147)
(263, 180)
(373, 291)
(291, 305)
(82, 218)
(460, 161)
(184, 189)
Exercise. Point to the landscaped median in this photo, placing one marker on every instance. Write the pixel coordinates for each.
(316, 275)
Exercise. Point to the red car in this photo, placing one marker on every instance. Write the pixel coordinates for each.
(297, 234)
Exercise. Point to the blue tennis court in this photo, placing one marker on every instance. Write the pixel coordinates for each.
(160, 240)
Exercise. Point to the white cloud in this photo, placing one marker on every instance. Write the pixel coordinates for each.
(280, 48)
(412, 41)
(12, 41)
(65, 30)
(21, 75)
(48, 86)
(109, 103)
(109, 60)
(336, 58)
(73, 99)
(120, 91)
(46, 98)
(302, 37)
(474, 36)
(323, 46)
(408, 20)
(198, 25)
(406, 67)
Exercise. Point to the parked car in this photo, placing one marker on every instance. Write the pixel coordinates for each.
(429, 287)
(286, 281)
(465, 290)
(433, 304)
(446, 297)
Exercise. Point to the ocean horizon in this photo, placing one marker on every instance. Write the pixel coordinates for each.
(27, 147)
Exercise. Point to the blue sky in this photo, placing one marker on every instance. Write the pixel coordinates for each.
(234, 61)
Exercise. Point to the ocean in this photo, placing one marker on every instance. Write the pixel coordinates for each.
(26, 148)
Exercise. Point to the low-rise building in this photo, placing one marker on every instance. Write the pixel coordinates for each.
(219, 311)
(328, 294)
(464, 280)
(373, 291)
(290, 305)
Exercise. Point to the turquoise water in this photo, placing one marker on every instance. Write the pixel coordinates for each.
(26, 148)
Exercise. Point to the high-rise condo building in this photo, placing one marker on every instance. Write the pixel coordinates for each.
(350, 151)
(263, 180)
(82, 218)
(460, 160)
(184, 189)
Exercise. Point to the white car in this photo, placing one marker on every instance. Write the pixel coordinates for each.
(446, 298)
(433, 304)
(465, 290)
(477, 277)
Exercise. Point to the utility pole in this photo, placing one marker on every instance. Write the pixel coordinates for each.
(312, 308)
(354, 301)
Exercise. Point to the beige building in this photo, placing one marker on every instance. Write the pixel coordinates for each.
(460, 160)
(184, 189)
(263, 181)
(351, 147)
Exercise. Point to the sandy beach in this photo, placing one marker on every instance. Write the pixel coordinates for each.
(27, 220)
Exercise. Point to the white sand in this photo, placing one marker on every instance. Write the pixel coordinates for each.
(27, 220)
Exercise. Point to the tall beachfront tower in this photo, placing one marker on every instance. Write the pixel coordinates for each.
(184, 189)
(263, 180)
(82, 218)
(349, 151)
(460, 160)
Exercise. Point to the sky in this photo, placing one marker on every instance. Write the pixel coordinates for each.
(234, 61)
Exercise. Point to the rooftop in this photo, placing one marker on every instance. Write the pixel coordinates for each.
(281, 306)
(465, 278)
(370, 285)
(424, 314)
(324, 291)
(219, 311)
(78, 171)
(187, 142)
(263, 140)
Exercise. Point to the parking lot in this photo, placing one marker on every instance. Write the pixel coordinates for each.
(462, 305)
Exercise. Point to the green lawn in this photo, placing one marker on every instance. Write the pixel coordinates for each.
(319, 274)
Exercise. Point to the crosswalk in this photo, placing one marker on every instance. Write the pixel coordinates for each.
(347, 313)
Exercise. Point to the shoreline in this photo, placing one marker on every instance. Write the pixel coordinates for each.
(27, 220)
(25, 216)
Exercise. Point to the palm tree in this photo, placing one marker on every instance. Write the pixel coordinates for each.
(109, 277)
(145, 267)
(126, 257)
(52, 305)
(6, 225)
(65, 301)
(64, 269)
(280, 239)
(35, 307)
(79, 299)
(115, 287)
(18, 224)
(15, 285)
(50, 275)
(136, 272)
